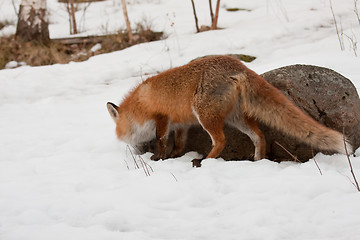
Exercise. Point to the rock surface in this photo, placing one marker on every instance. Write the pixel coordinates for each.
(324, 94)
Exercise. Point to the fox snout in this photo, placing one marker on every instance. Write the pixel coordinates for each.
(128, 129)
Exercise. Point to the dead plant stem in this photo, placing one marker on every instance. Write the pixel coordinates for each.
(145, 166)
(317, 165)
(341, 42)
(174, 176)
(146, 170)
(351, 168)
(356, 10)
(294, 157)
(133, 157)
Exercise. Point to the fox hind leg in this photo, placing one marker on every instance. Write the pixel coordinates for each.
(257, 137)
(213, 124)
(213, 100)
(250, 127)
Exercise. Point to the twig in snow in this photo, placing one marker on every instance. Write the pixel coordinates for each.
(317, 165)
(145, 166)
(294, 157)
(351, 168)
(133, 157)
(174, 176)
(127, 165)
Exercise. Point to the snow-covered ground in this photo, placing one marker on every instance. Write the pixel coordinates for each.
(64, 175)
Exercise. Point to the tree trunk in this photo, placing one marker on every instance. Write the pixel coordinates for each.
(128, 26)
(33, 21)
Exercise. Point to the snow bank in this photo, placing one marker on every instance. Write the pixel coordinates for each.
(63, 174)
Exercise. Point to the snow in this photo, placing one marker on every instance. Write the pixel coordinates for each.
(64, 175)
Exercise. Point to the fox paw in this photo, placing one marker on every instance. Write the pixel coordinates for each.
(197, 162)
(155, 157)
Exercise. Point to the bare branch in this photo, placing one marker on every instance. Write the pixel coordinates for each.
(211, 13)
(195, 16)
(214, 24)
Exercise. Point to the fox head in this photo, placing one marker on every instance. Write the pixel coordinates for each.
(122, 125)
(128, 129)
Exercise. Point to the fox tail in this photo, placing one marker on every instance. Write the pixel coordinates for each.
(269, 105)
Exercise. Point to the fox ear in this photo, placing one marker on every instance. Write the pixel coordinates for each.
(113, 110)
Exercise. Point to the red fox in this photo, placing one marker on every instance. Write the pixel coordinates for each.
(212, 92)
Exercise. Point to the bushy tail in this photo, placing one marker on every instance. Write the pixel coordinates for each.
(266, 103)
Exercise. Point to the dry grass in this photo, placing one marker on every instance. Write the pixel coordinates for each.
(120, 40)
(64, 51)
(31, 53)
(353, 41)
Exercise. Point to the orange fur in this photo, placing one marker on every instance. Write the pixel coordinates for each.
(212, 92)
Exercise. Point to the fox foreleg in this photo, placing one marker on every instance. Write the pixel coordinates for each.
(181, 134)
(162, 132)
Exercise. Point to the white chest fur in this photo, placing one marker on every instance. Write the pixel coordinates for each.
(141, 133)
